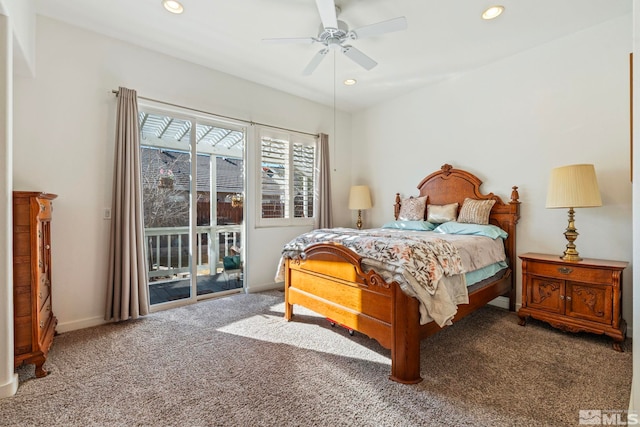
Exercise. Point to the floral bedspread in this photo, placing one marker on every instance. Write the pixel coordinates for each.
(425, 260)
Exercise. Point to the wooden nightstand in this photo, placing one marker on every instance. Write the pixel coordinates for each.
(580, 296)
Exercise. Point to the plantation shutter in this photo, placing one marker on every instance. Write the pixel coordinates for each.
(303, 180)
(274, 180)
(288, 178)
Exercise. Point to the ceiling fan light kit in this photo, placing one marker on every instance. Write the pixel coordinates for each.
(333, 34)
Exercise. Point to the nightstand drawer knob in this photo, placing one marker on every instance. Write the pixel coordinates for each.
(561, 296)
(568, 298)
(565, 270)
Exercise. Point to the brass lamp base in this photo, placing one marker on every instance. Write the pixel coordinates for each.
(359, 223)
(571, 254)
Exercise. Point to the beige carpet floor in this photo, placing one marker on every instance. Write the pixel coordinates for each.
(234, 361)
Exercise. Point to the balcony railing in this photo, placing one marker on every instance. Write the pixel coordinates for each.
(167, 250)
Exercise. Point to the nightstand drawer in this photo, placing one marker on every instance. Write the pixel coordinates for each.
(570, 272)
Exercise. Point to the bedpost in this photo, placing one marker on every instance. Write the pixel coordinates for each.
(405, 347)
(288, 307)
(514, 204)
(396, 206)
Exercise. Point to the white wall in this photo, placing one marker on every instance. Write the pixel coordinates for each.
(64, 133)
(510, 123)
(23, 24)
(17, 55)
(8, 379)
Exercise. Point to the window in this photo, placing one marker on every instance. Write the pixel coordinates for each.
(287, 178)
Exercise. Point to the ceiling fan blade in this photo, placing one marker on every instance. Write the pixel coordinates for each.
(327, 10)
(315, 61)
(395, 24)
(290, 40)
(358, 57)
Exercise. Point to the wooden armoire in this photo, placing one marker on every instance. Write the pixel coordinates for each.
(34, 322)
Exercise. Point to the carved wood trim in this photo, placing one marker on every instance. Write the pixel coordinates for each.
(545, 290)
(589, 299)
(339, 253)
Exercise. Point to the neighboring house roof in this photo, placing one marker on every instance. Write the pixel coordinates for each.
(157, 162)
(229, 175)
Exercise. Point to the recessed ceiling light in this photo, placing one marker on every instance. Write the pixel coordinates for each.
(492, 12)
(173, 6)
(350, 82)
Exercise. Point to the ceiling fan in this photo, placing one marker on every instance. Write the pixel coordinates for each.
(334, 34)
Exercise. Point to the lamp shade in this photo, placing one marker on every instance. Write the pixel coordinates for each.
(573, 186)
(359, 197)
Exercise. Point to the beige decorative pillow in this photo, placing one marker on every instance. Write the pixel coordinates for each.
(442, 213)
(412, 209)
(475, 211)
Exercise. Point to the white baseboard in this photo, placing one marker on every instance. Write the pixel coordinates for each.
(80, 324)
(502, 302)
(265, 287)
(10, 388)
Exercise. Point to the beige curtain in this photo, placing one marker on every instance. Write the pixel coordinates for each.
(127, 293)
(325, 218)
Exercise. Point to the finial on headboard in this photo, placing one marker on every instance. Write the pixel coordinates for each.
(514, 194)
(446, 168)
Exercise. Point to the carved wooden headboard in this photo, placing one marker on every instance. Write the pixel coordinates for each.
(449, 185)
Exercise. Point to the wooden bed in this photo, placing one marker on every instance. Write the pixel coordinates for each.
(328, 279)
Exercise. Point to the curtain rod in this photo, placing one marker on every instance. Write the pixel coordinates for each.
(220, 115)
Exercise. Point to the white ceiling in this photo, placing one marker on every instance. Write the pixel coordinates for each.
(444, 38)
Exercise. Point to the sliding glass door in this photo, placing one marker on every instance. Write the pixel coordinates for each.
(193, 202)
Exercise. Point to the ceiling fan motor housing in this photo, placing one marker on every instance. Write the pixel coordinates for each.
(327, 34)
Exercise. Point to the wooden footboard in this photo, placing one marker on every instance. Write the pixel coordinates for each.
(329, 280)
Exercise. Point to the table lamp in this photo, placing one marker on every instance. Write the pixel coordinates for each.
(573, 186)
(359, 198)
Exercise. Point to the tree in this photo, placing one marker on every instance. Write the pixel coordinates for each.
(165, 197)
